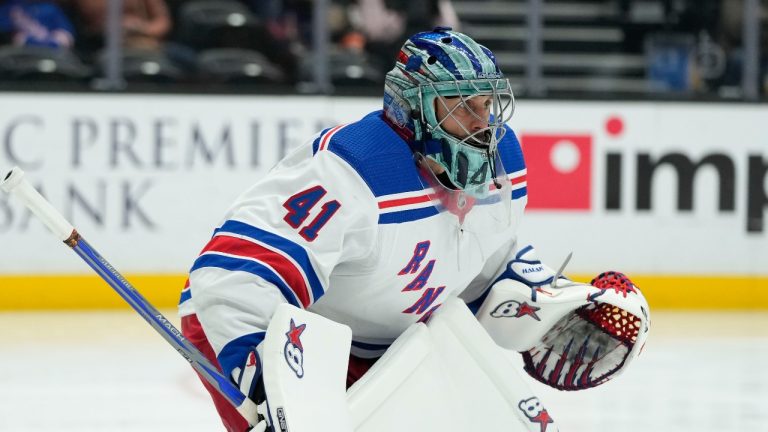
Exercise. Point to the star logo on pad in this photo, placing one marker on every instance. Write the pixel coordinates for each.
(526, 309)
(294, 334)
(536, 413)
(543, 419)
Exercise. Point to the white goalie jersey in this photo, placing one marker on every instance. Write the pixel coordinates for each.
(346, 227)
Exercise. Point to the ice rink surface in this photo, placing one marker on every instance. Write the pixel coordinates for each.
(109, 371)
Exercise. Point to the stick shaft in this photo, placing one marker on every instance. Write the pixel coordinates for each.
(15, 184)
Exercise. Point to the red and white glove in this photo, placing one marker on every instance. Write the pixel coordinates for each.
(572, 336)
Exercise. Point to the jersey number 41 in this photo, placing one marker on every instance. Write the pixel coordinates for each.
(301, 204)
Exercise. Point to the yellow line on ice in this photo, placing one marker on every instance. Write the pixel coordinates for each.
(73, 292)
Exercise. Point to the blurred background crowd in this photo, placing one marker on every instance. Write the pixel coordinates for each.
(602, 48)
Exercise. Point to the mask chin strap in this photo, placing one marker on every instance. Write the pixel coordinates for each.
(491, 163)
(493, 170)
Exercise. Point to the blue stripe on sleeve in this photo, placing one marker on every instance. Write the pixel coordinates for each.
(407, 215)
(253, 267)
(290, 248)
(519, 193)
(185, 295)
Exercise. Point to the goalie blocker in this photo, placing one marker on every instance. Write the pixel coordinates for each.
(572, 336)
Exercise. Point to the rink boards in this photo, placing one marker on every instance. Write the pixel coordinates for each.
(673, 194)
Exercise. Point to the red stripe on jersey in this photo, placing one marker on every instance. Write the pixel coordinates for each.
(327, 137)
(404, 201)
(244, 248)
(513, 181)
(517, 180)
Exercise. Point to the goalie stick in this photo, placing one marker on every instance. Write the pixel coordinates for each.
(16, 185)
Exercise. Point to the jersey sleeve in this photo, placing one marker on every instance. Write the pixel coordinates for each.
(279, 243)
(494, 267)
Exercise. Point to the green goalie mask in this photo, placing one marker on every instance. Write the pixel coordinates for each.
(448, 97)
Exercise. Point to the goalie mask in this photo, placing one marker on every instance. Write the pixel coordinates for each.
(572, 336)
(447, 72)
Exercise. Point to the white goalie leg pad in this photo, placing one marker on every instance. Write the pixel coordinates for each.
(305, 370)
(449, 376)
(572, 336)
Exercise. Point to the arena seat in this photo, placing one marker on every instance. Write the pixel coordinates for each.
(232, 65)
(41, 64)
(146, 66)
(216, 24)
(347, 68)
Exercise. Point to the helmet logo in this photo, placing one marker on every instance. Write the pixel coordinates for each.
(490, 75)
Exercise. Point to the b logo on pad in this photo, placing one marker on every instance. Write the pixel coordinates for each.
(294, 350)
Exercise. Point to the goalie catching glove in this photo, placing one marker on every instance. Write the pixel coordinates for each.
(572, 336)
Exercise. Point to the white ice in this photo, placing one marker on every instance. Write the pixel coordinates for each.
(109, 371)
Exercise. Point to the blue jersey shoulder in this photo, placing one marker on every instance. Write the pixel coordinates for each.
(376, 152)
(511, 152)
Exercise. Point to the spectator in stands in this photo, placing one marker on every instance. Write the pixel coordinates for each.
(287, 31)
(146, 23)
(36, 23)
(380, 25)
(372, 27)
(730, 37)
